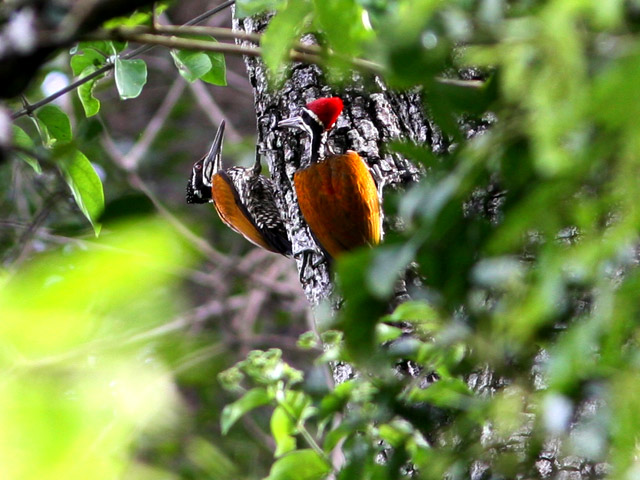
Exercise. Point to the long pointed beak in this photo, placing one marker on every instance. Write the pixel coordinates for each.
(211, 162)
(292, 122)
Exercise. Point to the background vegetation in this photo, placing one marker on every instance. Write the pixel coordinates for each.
(120, 351)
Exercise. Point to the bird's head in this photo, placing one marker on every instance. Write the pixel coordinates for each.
(316, 117)
(199, 185)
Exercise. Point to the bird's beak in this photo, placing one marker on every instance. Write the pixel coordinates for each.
(211, 162)
(292, 122)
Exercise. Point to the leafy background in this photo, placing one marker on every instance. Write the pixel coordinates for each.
(129, 319)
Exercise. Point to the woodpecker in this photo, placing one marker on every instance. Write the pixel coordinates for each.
(243, 198)
(337, 194)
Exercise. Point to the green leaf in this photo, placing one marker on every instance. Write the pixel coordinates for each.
(217, 75)
(283, 30)
(332, 438)
(209, 67)
(396, 432)
(90, 54)
(283, 430)
(388, 264)
(191, 65)
(252, 399)
(416, 312)
(300, 465)
(341, 22)
(56, 125)
(359, 316)
(21, 139)
(90, 103)
(298, 404)
(103, 47)
(247, 8)
(446, 393)
(294, 410)
(84, 183)
(131, 76)
(139, 17)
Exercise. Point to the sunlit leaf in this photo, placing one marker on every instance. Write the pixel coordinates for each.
(77, 288)
(191, 65)
(141, 16)
(89, 54)
(85, 185)
(299, 465)
(218, 73)
(252, 399)
(56, 125)
(90, 103)
(283, 30)
(342, 23)
(70, 379)
(283, 429)
(131, 76)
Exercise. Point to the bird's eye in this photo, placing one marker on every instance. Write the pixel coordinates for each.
(198, 166)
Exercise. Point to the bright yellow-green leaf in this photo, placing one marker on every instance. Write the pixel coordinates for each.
(89, 54)
(55, 124)
(283, 429)
(191, 65)
(131, 76)
(283, 30)
(300, 465)
(90, 103)
(252, 399)
(85, 184)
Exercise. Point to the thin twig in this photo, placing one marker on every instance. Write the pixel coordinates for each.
(72, 86)
(233, 49)
(217, 32)
(106, 68)
(179, 43)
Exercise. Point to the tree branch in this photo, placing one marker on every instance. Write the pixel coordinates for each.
(106, 68)
(157, 35)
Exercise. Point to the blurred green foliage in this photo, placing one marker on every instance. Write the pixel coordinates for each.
(81, 380)
(523, 241)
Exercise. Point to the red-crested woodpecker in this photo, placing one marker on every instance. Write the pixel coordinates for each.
(337, 194)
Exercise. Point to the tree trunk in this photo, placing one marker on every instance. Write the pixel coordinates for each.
(372, 116)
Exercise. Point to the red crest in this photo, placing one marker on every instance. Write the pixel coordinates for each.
(327, 110)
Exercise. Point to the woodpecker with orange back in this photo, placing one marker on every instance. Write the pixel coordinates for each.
(243, 198)
(336, 193)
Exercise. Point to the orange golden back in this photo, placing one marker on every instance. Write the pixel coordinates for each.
(339, 201)
(231, 212)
